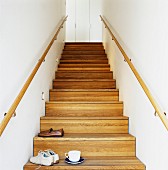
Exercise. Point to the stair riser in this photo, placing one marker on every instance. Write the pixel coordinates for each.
(84, 85)
(80, 75)
(83, 110)
(83, 44)
(83, 52)
(86, 126)
(84, 61)
(84, 65)
(87, 148)
(84, 96)
(84, 69)
(84, 48)
(83, 57)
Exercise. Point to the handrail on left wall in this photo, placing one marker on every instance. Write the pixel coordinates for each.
(19, 97)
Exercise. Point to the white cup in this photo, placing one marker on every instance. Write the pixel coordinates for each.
(73, 156)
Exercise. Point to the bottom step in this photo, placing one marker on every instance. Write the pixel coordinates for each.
(100, 163)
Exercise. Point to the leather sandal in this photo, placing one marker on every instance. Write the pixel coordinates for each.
(52, 133)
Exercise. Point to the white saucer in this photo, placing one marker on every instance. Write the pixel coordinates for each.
(74, 163)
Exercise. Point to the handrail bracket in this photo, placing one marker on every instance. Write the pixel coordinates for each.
(14, 114)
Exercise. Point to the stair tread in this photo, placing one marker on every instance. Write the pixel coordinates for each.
(84, 71)
(89, 137)
(85, 118)
(76, 43)
(84, 65)
(84, 80)
(84, 68)
(115, 163)
(79, 61)
(83, 49)
(83, 60)
(84, 90)
(96, 55)
(86, 102)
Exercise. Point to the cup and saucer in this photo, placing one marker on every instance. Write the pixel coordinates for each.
(74, 157)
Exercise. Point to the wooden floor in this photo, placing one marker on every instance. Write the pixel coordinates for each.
(84, 102)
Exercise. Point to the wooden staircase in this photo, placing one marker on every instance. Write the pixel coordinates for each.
(84, 102)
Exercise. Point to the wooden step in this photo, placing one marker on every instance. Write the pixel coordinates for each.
(83, 44)
(83, 57)
(84, 69)
(83, 52)
(96, 163)
(83, 109)
(89, 144)
(84, 65)
(83, 75)
(84, 84)
(83, 61)
(84, 95)
(86, 124)
(80, 48)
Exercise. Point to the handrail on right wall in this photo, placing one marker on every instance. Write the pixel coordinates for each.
(156, 106)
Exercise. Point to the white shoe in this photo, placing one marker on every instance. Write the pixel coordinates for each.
(53, 154)
(42, 159)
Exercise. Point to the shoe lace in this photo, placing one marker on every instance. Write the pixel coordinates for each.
(50, 152)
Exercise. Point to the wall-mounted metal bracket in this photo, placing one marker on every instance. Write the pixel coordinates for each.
(14, 114)
(43, 60)
(155, 113)
(126, 61)
(57, 60)
(42, 96)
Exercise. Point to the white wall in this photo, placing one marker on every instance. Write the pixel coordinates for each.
(142, 29)
(26, 28)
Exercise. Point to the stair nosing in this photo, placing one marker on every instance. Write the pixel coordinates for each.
(84, 71)
(90, 137)
(80, 60)
(92, 80)
(104, 161)
(83, 102)
(84, 90)
(85, 118)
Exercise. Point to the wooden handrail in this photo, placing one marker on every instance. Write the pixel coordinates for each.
(156, 106)
(16, 102)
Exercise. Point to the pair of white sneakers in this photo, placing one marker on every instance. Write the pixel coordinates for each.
(46, 158)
